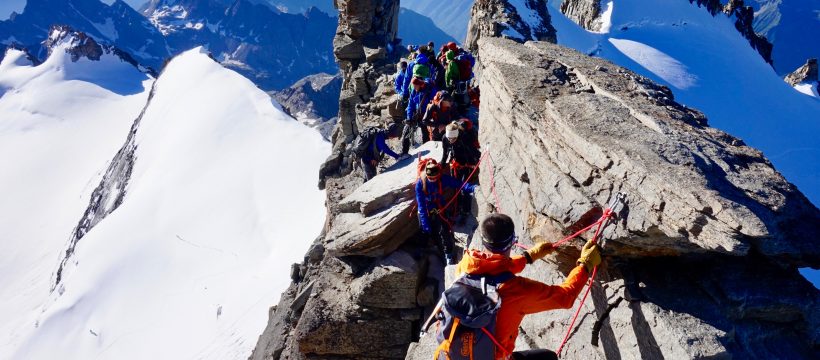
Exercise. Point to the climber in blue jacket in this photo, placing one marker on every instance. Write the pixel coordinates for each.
(423, 92)
(398, 82)
(430, 200)
(420, 59)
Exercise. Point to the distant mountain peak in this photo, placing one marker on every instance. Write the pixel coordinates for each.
(80, 45)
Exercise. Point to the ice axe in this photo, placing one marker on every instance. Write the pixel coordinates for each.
(432, 316)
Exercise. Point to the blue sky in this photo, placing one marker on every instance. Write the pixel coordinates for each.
(7, 6)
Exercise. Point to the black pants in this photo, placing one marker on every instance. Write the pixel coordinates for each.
(534, 355)
(440, 232)
(369, 169)
(409, 132)
(465, 201)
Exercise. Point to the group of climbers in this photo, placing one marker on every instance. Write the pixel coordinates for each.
(436, 93)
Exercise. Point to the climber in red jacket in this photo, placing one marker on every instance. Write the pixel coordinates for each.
(521, 296)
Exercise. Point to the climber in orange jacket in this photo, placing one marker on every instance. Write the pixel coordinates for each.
(521, 296)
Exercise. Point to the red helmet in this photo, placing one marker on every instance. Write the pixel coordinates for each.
(452, 46)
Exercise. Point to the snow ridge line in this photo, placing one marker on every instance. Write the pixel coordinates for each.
(109, 194)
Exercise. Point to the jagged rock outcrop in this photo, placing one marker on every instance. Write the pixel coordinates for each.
(367, 51)
(806, 73)
(81, 45)
(583, 12)
(500, 18)
(363, 287)
(109, 193)
(744, 18)
(313, 100)
(712, 235)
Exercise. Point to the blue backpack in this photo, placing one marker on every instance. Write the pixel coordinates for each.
(467, 319)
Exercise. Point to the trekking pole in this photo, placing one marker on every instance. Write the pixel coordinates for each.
(432, 316)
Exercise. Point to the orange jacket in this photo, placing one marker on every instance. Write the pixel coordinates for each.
(520, 296)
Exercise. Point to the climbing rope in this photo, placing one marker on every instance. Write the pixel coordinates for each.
(604, 218)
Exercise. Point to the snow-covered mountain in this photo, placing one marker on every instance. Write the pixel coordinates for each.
(116, 24)
(271, 48)
(172, 208)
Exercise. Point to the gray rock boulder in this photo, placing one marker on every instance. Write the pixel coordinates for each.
(805, 73)
(313, 100)
(378, 217)
(587, 129)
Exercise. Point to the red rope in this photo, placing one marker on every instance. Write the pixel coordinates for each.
(507, 352)
(492, 186)
(465, 182)
(607, 214)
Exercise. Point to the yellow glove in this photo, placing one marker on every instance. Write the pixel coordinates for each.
(539, 251)
(590, 256)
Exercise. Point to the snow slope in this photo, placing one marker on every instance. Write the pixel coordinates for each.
(56, 135)
(711, 67)
(217, 208)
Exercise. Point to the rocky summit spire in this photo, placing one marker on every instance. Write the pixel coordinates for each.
(805, 73)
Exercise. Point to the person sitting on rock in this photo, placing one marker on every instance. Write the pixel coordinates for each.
(430, 200)
(420, 97)
(377, 148)
(439, 113)
(462, 157)
(521, 296)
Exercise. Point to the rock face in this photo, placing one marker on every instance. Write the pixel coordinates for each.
(583, 12)
(313, 100)
(501, 18)
(697, 265)
(363, 287)
(806, 73)
(744, 18)
(367, 52)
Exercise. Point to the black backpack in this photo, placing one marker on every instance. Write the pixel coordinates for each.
(467, 319)
(365, 142)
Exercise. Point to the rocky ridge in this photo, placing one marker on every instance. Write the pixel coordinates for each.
(701, 264)
(806, 73)
(313, 100)
(499, 18)
(682, 279)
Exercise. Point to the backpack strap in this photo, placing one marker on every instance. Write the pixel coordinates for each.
(497, 344)
(494, 280)
(445, 345)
